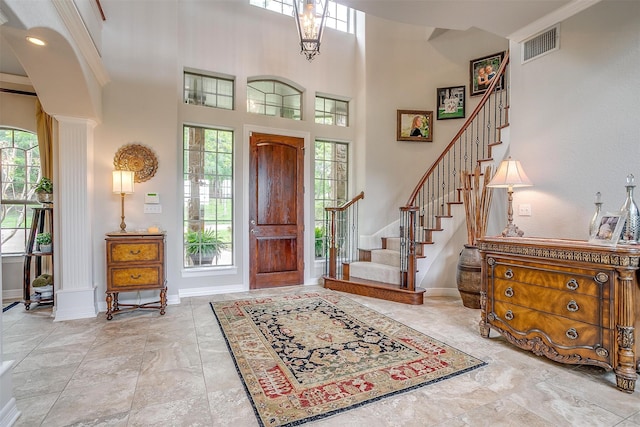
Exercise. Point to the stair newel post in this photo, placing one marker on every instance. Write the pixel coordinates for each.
(408, 222)
(333, 259)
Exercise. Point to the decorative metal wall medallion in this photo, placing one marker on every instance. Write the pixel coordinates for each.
(136, 158)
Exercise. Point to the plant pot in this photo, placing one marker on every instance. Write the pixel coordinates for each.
(469, 276)
(45, 248)
(45, 198)
(201, 259)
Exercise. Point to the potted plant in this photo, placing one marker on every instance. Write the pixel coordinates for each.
(319, 243)
(476, 197)
(203, 246)
(44, 190)
(44, 242)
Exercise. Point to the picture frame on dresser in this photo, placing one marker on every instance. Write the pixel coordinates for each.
(610, 225)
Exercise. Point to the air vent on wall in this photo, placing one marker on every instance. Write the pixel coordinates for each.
(541, 44)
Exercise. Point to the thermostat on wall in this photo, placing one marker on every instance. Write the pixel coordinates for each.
(151, 198)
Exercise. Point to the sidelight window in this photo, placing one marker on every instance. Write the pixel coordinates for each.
(208, 197)
(331, 184)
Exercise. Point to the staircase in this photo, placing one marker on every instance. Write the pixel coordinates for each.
(391, 272)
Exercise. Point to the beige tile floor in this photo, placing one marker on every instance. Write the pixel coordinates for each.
(143, 369)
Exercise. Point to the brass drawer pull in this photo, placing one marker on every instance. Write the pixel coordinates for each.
(572, 306)
(136, 277)
(508, 315)
(572, 333)
(135, 252)
(572, 284)
(508, 274)
(509, 292)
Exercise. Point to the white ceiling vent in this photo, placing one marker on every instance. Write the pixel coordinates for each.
(541, 44)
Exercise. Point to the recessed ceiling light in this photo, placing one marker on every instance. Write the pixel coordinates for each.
(36, 41)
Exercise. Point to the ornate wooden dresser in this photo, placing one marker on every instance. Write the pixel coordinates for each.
(135, 262)
(570, 301)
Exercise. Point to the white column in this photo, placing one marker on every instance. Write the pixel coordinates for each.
(75, 292)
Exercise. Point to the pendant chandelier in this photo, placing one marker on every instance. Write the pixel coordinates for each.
(310, 18)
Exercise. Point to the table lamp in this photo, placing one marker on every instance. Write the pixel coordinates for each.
(510, 175)
(123, 184)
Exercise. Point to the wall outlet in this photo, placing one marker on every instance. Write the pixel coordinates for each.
(524, 210)
(152, 208)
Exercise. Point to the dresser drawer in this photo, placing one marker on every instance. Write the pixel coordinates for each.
(568, 304)
(580, 281)
(138, 277)
(134, 251)
(566, 336)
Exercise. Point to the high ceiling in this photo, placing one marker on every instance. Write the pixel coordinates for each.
(501, 17)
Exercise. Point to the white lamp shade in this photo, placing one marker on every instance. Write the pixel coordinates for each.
(510, 174)
(123, 182)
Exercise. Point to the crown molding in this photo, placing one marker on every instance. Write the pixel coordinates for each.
(12, 78)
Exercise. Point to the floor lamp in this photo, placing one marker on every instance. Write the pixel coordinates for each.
(510, 175)
(123, 184)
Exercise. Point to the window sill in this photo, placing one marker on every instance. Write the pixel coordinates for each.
(209, 271)
(12, 258)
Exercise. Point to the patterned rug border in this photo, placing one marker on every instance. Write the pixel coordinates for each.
(13, 304)
(347, 408)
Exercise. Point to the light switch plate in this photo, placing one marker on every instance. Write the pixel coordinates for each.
(152, 208)
(524, 209)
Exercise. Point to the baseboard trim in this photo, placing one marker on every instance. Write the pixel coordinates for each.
(74, 304)
(441, 292)
(11, 294)
(9, 412)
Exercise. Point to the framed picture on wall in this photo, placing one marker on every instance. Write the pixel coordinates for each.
(482, 71)
(609, 229)
(450, 101)
(415, 125)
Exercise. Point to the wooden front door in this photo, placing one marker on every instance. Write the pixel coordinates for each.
(276, 211)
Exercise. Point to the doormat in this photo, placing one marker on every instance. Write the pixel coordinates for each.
(8, 305)
(309, 356)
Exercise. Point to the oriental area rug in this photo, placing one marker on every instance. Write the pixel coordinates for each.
(308, 356)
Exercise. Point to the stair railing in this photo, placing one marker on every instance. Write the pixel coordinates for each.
(341, 238)
(439, 186)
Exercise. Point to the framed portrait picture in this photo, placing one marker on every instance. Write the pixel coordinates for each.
(450, 101)
(610, 226)
(482, 71)
(415, 125)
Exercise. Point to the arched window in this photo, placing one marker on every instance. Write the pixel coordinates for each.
(274, 98)
(20, 174)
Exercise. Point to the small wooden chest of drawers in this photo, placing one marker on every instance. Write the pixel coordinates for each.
(567, 300)
(135, 262)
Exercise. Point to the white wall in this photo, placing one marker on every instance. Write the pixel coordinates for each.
(573, 113)
(403, 71)
(145, 50)
(574, 120)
